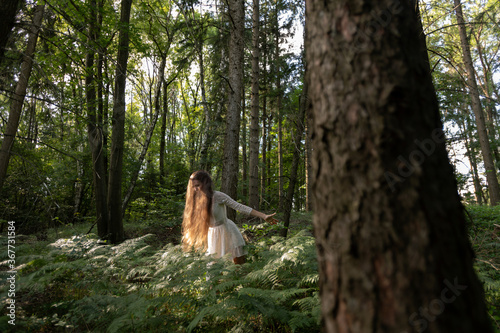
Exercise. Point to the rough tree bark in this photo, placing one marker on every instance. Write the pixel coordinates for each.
(17, 98)
(393, 250)
(231, 144)
(115, 225)
(489, 165)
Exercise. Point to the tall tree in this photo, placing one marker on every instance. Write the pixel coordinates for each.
(393, 250)
(279, 111)
(253, 190)
(95, 125)
(115, 226)
(17, 98)
(149, 132)
(489, 165)
(231, 144)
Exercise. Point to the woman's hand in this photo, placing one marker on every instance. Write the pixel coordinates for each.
(270, 219)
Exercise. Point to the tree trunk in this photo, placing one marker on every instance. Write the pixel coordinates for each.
(393, 251)
(17, 98)
(469, 152)
(308, 153)
(115, 226)
(279, 112)
(244, 145)
(163, 133)
(253, 190)
(207, 135)
(490, 103)
(263, 177)
(95, 130)
(149, 134)
(297, 142)
(231, 145)
(491, 174)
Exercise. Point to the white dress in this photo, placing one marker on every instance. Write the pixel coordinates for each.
(223, 235)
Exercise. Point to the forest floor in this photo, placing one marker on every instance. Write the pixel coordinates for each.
(68, 281)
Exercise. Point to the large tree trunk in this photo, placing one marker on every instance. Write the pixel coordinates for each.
(489, 165)
(231, 145)
(393, 250)
(253, 190)
(115, 226)
(17, 98)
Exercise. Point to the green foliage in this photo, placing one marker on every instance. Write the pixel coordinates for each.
(80, 284)
(484, 230)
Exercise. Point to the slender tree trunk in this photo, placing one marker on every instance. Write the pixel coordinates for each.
(244, 144)
(472, 159)
(297, 142)
(115, 227)
(231, 144)
(32, 125)
(95, 129)
(102, 91)
(491, 174)
(490, 104)
(308, 162)
(163, 133)
(149, 134)
(253, 194)
(393, 250)
(17, 98)
(279, 112)
(204, 160)
(263, 177)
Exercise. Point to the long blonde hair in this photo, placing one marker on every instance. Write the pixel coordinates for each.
(197, 212)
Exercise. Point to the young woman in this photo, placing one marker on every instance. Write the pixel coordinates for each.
(205, 224)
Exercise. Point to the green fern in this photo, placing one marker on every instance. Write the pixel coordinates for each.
(87, 285)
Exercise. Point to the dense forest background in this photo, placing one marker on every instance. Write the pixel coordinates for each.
(176, 106)
(177, 98)
(107, 107)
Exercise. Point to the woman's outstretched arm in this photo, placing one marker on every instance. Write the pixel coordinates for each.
(267, 218)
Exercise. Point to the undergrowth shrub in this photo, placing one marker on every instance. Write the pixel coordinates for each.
(484, 231)
(78, 284)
